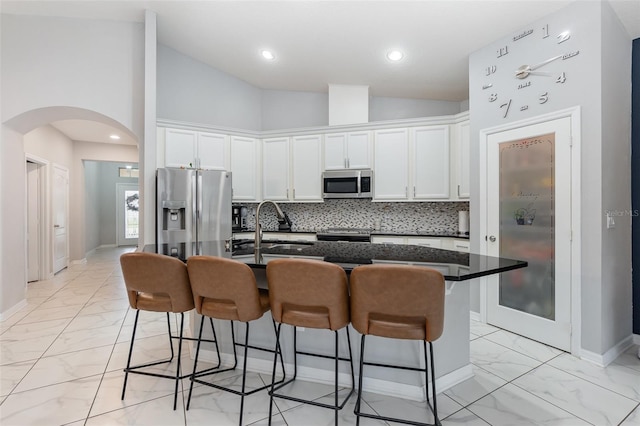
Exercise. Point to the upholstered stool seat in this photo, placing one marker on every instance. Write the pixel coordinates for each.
(398, 302)
(226, 289)
(158, 283)
(315, 295)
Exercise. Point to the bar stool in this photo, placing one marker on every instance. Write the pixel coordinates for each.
(398, 302)
(226, 289)
(313, 294)
(158, 283)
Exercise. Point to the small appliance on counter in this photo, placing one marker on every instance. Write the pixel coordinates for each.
(463, 222)
(284, 224)
(239, 218)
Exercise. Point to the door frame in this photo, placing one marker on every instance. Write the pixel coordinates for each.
(574, 114)
(45, 255)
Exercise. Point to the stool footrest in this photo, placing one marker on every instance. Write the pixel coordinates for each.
(396, 420)
(306, 401)
(398, 367)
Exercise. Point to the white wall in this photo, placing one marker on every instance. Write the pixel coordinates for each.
(13, 236)
(383, 108)
(41, 67)
(287, 109)
(191, 91)
(600, 66)
(53, 69)
(92, 205)
(617, 315)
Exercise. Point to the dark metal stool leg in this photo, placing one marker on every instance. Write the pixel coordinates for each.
(170, 336)
(175, 396)
(195, 361)
(275, 363)
(359, 398)
(133, 338)
(244, 370)
(433, 385)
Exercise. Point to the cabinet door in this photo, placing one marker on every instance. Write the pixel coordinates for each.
(463, 160)
(430, 162)
(244, 168)
(275, 169)
(334, 151)
(359, 150)
(180, 148)
(386, 239)
(307, 171)
(390, 171)
(213, 151)
(425, 242)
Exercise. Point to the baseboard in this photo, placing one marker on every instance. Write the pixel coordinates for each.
(12, 310)
(605, 359)
(317, 375)
(636, 339)
(475, 316)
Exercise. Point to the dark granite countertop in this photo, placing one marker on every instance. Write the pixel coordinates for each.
(454, 265)
(405, 233)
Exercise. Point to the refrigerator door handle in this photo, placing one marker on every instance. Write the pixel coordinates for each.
(195, 221)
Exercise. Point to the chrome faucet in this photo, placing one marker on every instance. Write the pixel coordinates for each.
(258, 236)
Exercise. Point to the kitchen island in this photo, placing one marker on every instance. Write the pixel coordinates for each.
(451, 350)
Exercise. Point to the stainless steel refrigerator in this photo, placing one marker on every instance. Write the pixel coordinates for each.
(193, 207)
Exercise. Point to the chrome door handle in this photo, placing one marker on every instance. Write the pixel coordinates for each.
(492, 239)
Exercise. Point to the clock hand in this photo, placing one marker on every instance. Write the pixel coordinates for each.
(536, 66)
(525, 70)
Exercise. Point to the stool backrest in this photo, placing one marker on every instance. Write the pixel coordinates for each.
(309, 283)
(156, 282)
(224, 288)
(398, 291)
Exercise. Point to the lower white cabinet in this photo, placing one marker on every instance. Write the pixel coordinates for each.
(447, 243)
(424, 241)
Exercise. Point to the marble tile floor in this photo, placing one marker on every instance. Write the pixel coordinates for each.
(62, 356)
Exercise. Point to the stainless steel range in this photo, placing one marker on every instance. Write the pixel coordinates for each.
(345, 234)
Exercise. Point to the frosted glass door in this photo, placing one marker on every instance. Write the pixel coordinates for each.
(527, 224)
(529, 218)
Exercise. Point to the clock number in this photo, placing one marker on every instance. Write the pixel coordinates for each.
(493, 97)
(563, 36)
(544, 98)
(545, 31)
(503, 51)
(524, 107)
(506, 111)
(491, 70)
(561, 78)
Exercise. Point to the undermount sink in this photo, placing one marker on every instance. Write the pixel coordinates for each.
(287, 246)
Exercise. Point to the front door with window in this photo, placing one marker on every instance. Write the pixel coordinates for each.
(127, 204)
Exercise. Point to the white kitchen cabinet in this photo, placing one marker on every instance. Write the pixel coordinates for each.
(275, 169)
(391, 175)
(245, 168)
(425, 242)
(429, 162)
(306, 163)
(180, 148)
(462, 157)
(456, 244)
(191, 149)
(388, 239)
(347, 150)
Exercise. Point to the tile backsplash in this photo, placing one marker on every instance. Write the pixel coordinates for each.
(436, 217)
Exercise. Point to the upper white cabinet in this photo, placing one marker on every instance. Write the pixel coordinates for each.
(245, 168)
(412, 164)
(275, 169)
(429, 163)
(391, 175)
(191, 149)
(347, 150)
(307, 168)
(462, 157)
(292, 168)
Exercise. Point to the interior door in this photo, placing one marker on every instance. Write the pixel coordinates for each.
(33, 222)
(127, 219)
(529, 218)
(60, 205)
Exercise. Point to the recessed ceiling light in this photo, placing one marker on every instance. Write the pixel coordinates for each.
(395, 55)
(129, 166)
(268, 55)
(114, 137)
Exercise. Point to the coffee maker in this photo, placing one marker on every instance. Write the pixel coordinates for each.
(238, 218)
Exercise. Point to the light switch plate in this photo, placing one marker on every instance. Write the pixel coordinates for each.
(611, 223)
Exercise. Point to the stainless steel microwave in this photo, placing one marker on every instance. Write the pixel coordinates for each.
(347, 184)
